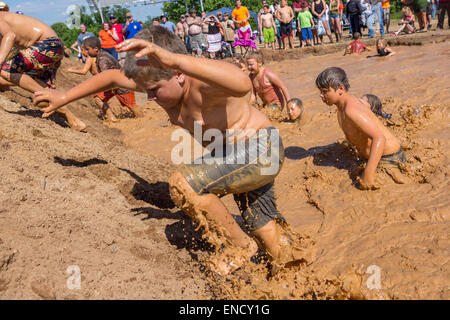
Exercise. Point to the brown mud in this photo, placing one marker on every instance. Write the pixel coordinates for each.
(100, 200)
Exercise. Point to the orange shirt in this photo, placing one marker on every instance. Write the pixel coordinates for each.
(241, 14)
(385, 4)
(106, 39)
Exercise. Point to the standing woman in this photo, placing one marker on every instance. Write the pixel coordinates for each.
(319, 12)
(335, 18)
(109, 39)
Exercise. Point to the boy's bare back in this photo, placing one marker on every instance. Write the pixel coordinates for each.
(26, 29)
(356, 135)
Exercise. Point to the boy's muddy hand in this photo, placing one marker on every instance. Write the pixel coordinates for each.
(48, 100)
(157, 56)
(364, 185)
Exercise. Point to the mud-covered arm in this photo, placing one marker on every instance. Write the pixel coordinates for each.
(8, 39)
(103, 81)
(87, 66)
(212, 72)
(369, 128)
(276, 81)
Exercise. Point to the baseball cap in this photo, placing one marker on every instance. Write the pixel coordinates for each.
(111, 16)
(2, 4)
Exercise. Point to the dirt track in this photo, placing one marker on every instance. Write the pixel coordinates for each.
(99, 200)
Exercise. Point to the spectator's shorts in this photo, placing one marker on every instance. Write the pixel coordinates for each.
(386, 14)
(197, 42)
(269, 35)
(419, 6)
(307, 34)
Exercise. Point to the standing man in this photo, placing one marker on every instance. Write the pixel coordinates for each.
(240, 15)
(118, 29)
(196, 38)
(376, 6)
(285, 15)
(131, 27)
(77, 44)
(169, 25)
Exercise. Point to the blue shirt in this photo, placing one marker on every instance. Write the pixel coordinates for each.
(133, 28)
(169, 26)
(82, 36)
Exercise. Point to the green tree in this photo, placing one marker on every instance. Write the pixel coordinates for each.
(67, 36)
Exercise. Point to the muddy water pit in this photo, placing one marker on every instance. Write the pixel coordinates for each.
(387, 244)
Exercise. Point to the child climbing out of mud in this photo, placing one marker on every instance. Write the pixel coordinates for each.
(356, 46)
(39, 56)
(204, 94)
(362, 129)
(266, 84)
(100, 61)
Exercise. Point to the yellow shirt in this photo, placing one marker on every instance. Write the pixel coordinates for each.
(385, 4)
(241, 14)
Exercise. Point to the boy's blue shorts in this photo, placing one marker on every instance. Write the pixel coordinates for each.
(307, 33)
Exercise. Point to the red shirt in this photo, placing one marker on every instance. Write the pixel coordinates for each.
(118, 27)
(357, 47)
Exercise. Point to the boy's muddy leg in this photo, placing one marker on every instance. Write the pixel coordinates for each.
(28, 83)
(105, 109)
(269, 238)
(209, 211)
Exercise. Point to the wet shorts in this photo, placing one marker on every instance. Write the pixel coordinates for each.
(286, 29)
(246, 169)
(41, 60)
(125, 97)
(394, 158)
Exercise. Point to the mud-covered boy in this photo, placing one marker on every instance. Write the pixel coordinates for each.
(213, 95)
(361, 127)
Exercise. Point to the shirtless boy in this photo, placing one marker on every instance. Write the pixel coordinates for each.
(211, 94)
(266, 84)
(100, 61)
(361, 127)
(268, 28)
(285, 16)
(35, 65)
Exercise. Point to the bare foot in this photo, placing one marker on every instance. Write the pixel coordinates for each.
(78, 125)
(137, 112)
(231, 259)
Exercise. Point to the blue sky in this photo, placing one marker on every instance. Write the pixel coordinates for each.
(51, 11)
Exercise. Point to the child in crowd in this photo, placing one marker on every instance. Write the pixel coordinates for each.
(268, 28)
(212, 94)
(374, 103)
(383, 49)
(407, 22)
(306, 22)
(35, 63)
(99, 61)
(266, 84)
(361, 127)
(356, 46)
